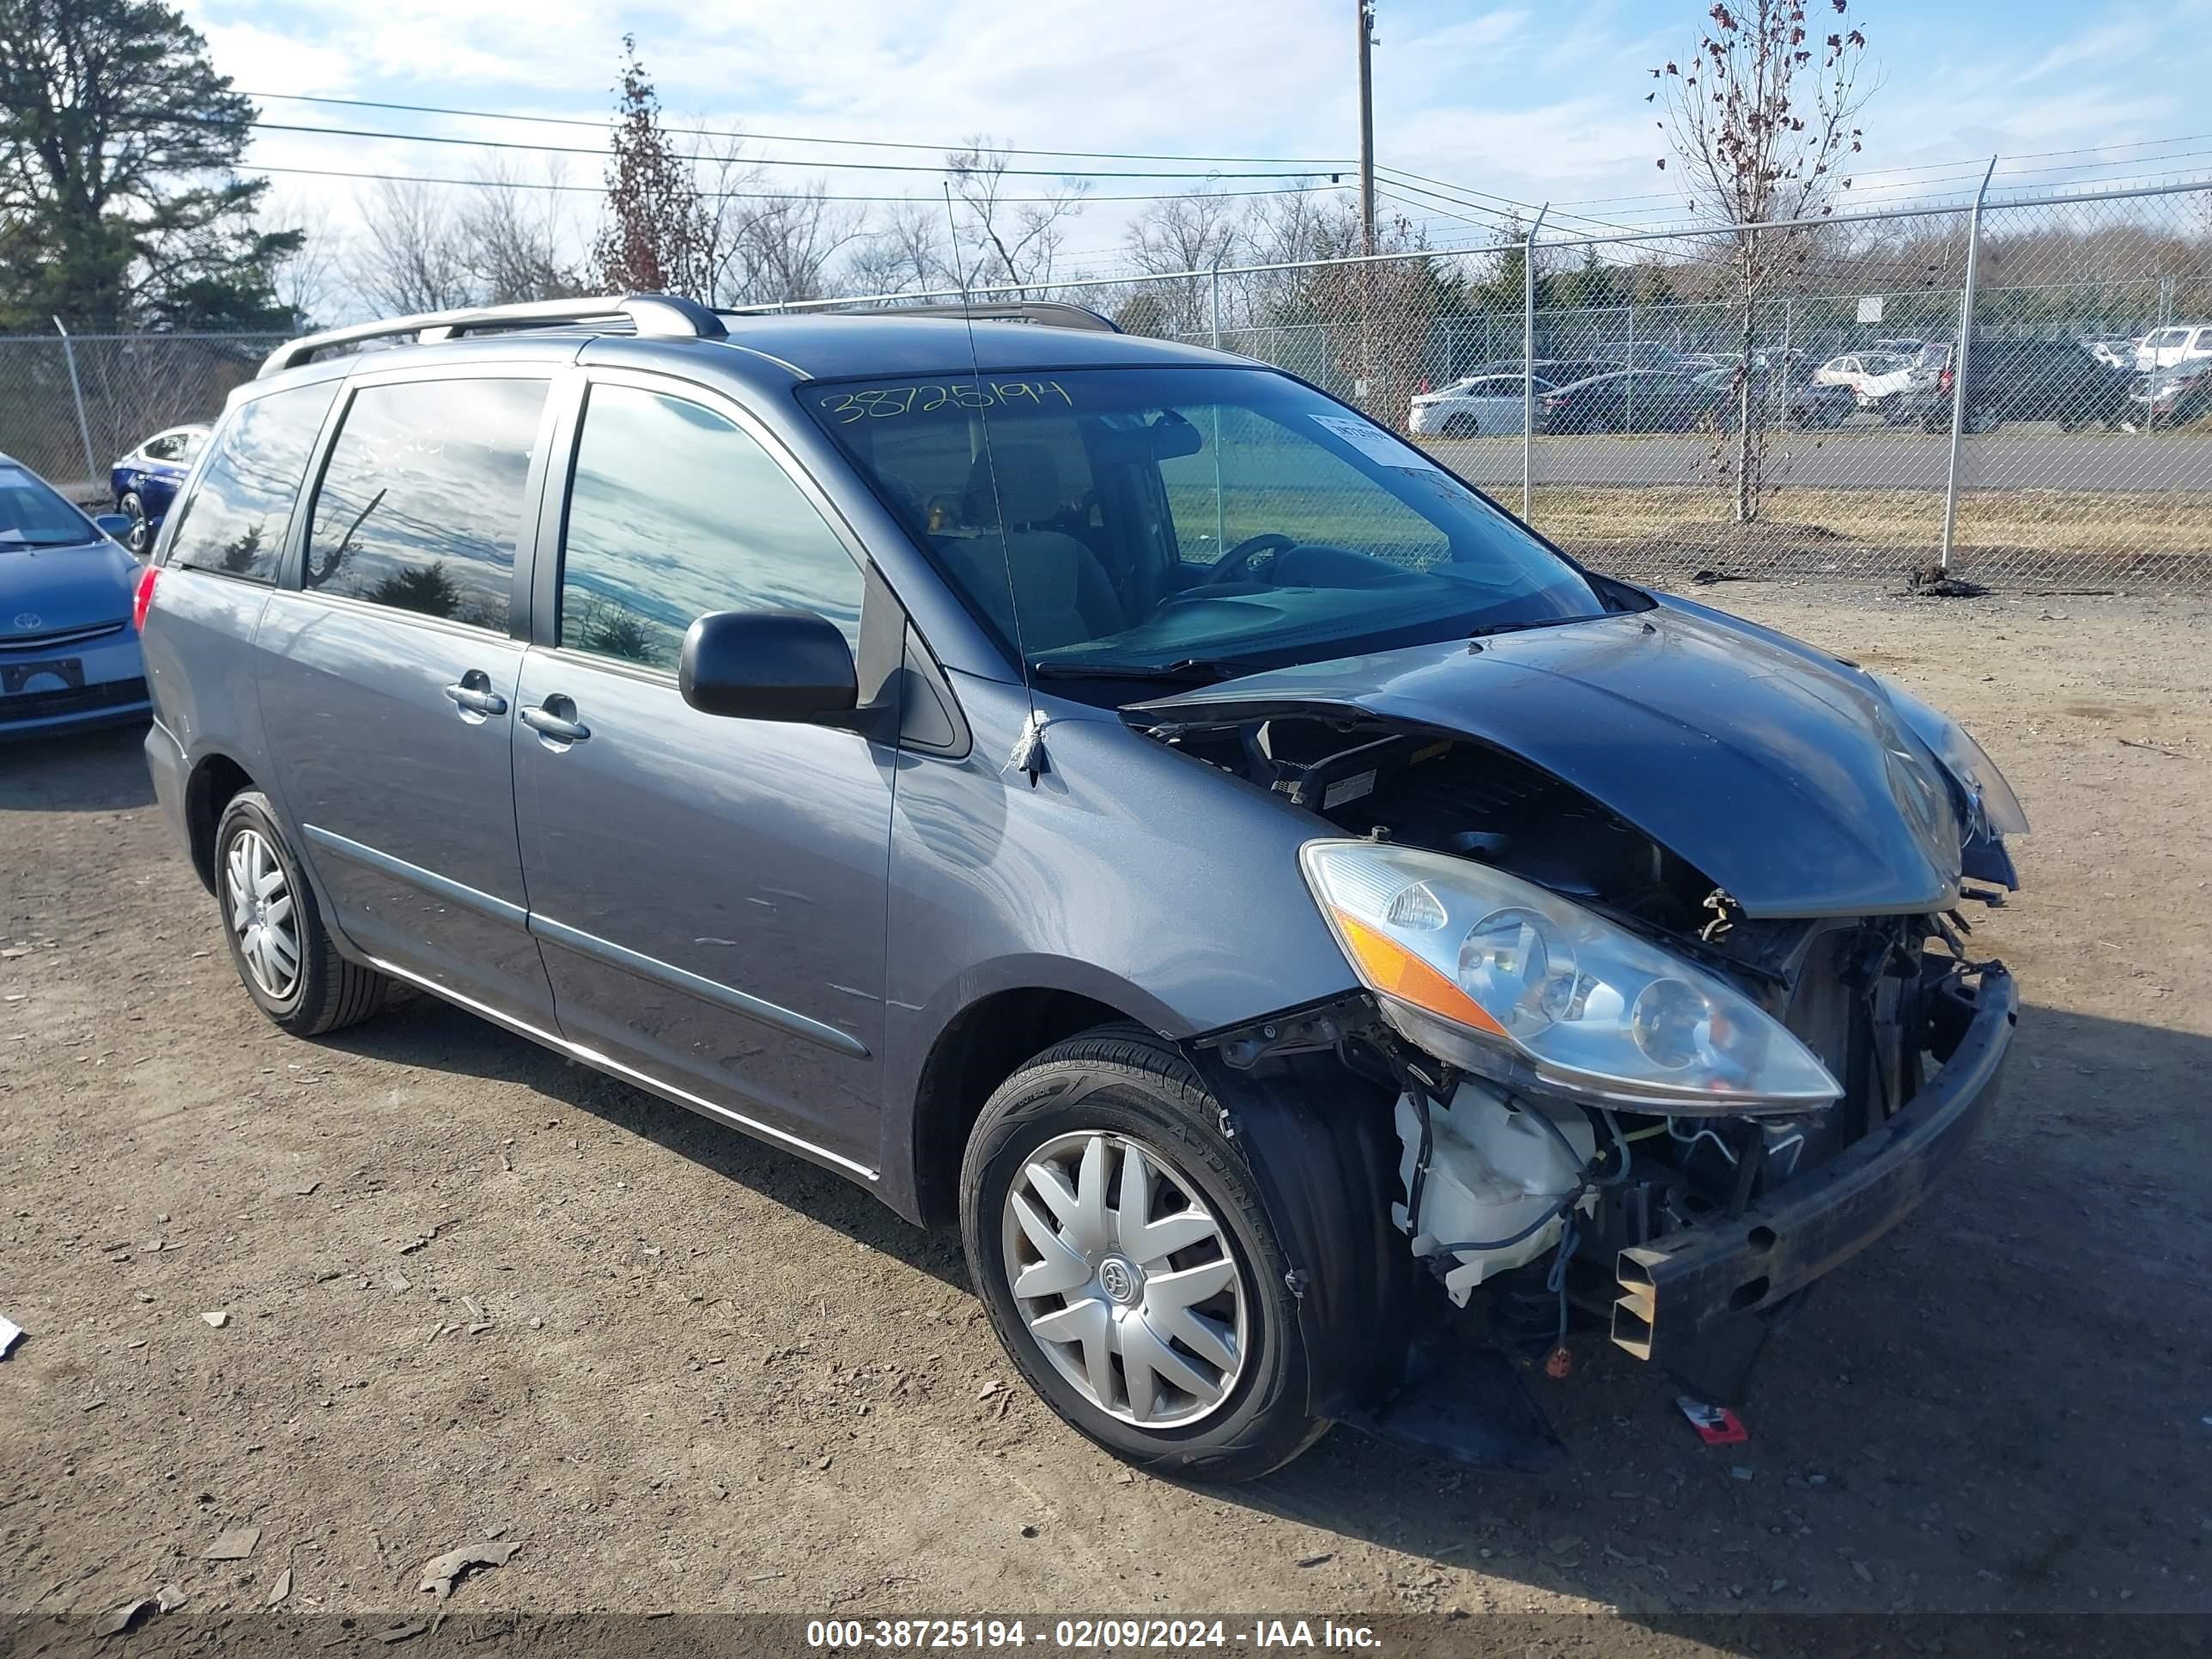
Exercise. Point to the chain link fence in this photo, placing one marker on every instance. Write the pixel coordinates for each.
(2014, 394)
(70, 404)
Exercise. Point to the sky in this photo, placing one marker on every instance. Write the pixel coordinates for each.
(1520, 102)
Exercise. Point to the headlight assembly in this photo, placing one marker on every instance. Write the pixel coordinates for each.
(1517, 984)
(1992, 804)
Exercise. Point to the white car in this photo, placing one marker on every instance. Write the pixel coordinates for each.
(1856, 368)
(2163, 348)
(1486, 405)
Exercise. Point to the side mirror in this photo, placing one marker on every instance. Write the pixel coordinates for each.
(116, 526)
(769, 665)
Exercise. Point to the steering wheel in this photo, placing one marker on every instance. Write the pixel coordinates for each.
(1237, 563)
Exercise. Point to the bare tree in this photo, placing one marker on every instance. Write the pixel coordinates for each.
(656, 235)
(904, 252)
(1010, 243)
(307, 279)
(789, 244)
(514, 241)
(411, 257)
(1761, 120)
(1200, 231)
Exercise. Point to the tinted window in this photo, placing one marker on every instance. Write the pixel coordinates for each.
(166, 448)
(675, 512)
(421, 501)
(236, 519)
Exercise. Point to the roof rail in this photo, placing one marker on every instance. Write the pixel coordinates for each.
(1050, 313)
(662, 316)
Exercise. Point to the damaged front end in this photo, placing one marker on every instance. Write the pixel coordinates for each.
(1622, 1100)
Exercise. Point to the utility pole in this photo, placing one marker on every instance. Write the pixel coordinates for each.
(1367, 9)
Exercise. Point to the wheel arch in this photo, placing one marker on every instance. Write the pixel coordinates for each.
(978, 1048)
(217, 778)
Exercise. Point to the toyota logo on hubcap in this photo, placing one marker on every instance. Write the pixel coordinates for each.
(1118, 1280)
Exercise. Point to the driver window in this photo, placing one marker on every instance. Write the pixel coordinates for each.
(1253, 477)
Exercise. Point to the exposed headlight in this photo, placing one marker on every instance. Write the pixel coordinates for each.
(1515, 983)
(1993, 806)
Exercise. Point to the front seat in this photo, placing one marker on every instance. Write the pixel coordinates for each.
(1062, 592)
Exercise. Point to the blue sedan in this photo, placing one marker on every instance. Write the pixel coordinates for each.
(146, 481)
(68, 641)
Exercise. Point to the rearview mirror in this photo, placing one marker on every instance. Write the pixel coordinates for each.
(1172, 436)
(767, 665)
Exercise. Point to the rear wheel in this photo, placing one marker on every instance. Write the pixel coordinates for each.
(285, 955)
(1461, 425)
(140, 537)
(1121, 1249)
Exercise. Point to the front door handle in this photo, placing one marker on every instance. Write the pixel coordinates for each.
(472, 695)
(554, 721)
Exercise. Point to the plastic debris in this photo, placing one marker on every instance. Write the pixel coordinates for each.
(233, 1546)
(1716, 1426)
(440, 1573)
(216, 1318)
(116, 1620)
(11, 1335)
(282, 1589)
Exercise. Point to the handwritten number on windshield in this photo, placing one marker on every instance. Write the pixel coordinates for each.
(877, 402)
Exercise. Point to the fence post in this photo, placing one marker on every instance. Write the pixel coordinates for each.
(1528, 357)
(1958, 372)
(1630, 363)
(1216, 303)
(76, 391)
(1788, 316)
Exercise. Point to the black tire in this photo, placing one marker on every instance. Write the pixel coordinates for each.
(1123, 1081)
(1462, 426)
(140, 537)
(326, 992)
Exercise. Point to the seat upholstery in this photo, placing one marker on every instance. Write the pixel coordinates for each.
(1064, 593)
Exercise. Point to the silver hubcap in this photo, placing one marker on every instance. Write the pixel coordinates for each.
(261, 914)
(1124, 1278)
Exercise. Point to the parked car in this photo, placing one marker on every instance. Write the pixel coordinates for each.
(1904, 345)
(1855, 369)
(2116, 353)
(69, 648)
(1101, 790)
(145, 481)
(1808, 403)
(1492, 403)
(2165, 347)
(2178, 396)
(2029, 380)
(1630, 400)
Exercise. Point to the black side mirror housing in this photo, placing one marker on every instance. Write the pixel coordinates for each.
(769, 665)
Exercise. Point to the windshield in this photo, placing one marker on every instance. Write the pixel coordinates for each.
(32, 515)
(1162, 520)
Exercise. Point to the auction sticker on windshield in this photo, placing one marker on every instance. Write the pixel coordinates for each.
(1376, 444)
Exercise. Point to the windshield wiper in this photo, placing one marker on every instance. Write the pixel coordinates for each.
(17, 539)
(1190, 671)
(1486, 629)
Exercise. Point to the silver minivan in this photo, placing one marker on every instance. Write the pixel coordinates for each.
(1325, 948)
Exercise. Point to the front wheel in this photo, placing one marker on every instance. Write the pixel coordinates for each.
(283, 954)
(1121, 1249)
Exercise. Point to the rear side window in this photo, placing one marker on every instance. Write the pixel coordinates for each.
(421, 501)
(235, 520)
(168, 447)
(675, 512)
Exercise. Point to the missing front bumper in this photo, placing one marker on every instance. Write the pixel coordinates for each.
(1697, 1302)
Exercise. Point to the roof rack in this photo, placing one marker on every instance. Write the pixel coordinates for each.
(1050, 313)
(660, 316)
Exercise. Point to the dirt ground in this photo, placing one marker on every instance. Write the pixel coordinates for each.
(684, 1371)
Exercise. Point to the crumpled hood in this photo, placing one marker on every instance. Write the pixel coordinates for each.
(1776, 770)
(64, 586)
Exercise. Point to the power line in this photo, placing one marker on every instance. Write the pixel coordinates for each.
(758, 161)
(1317, 162)
(720, 194)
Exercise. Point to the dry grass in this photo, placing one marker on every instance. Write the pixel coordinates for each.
(2104, 522)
